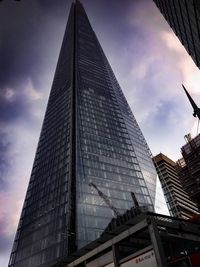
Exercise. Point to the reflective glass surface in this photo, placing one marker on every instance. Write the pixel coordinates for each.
(111, 150)
(89, 135)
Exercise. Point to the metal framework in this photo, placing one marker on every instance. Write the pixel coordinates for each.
(189, 172)
(166, 239)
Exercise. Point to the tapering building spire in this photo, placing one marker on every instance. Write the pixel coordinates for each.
(194, 105)
(89, 135)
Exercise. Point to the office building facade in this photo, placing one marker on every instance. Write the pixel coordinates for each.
(184, 18)
(89, 136)
(189, 168)
(179, 203)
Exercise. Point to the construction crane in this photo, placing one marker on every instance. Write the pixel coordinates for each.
(194, 105)
(105, 199)
(135, 200)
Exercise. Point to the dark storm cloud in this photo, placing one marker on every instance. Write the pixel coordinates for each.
(25, 30)
(29, 33)
(14, 46)
(27, 43)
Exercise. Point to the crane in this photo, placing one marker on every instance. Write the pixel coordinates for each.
(194, 105)
(105, 199)
(135, 200)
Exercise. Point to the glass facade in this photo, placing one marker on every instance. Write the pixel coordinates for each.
(183, 17)
(89, 135)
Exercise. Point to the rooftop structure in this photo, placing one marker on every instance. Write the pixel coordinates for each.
(189, 169)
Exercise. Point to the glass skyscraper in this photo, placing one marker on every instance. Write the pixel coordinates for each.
(89, 135)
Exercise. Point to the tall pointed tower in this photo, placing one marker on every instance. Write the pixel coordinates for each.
(89, 135)
(196, 109)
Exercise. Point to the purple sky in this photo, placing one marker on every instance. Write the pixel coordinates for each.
(148, 61)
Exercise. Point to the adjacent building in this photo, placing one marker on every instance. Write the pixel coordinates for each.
(89, 137)
(189, 168)
(178, 201)
(183, 17)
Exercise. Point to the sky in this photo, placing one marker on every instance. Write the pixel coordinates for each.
(148, 60)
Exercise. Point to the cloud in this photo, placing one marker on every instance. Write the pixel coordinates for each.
(190, 72)
(21, 102)
(171, 41)
(143, 67)
(190, 76)
(9, 94)
(31, 92)
(159, 65)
